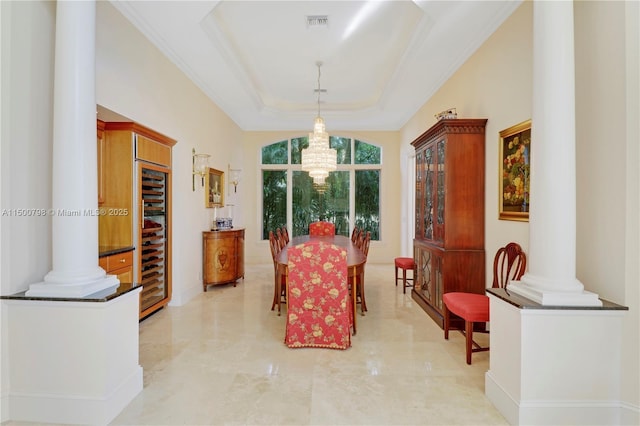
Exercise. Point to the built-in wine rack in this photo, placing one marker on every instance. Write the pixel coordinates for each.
(153, 237)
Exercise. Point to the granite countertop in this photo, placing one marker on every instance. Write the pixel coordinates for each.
(109, 250)
(524, 303)
(101, 296)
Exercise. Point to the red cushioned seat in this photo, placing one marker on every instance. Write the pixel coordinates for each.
(471, 307)
(405, 263)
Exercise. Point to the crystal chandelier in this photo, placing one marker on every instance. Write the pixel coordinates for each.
(319, 159)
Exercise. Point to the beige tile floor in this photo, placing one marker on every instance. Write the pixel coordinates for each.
(220, 359)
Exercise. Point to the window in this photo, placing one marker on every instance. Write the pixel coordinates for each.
(350, 196)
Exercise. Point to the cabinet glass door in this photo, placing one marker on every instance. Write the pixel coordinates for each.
(153, 232)
(428, 193)
(440, 192)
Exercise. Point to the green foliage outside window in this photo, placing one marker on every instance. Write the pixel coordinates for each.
(274, 200)
(367, 153)
(276, 153)
(330, 201)
(368, 201)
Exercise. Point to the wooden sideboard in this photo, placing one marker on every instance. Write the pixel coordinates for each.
(223, 257)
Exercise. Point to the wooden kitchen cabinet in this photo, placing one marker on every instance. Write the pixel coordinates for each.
(223, 257)
(119, 264)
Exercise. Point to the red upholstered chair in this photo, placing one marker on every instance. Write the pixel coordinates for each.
(319, 309)
(509, 264)
(406, 264)
(322, 228)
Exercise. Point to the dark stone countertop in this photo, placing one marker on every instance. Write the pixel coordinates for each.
(109, 250)
(101, 296)
(524, 303)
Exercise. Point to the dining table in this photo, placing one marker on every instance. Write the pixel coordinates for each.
(356, 260)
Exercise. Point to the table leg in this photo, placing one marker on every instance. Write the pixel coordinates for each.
(353, 298)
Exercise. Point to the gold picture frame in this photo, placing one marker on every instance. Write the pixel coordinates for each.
(514, 172)
(214, 185)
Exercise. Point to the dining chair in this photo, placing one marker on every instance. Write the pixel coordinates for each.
(360, 299)
(322, 228)
(509, 264)
(281, 239)
(279, 285)
(354, 234)
(285, 235)
(406, 264)
(319, 312)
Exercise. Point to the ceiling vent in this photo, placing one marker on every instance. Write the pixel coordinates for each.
(317, 21)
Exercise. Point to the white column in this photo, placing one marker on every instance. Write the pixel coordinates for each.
(75, 270)
(551, 278)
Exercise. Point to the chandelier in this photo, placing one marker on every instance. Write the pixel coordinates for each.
(319, 159)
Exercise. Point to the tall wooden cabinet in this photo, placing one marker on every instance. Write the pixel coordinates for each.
(223, 257)
(448, 247)
(135, 177)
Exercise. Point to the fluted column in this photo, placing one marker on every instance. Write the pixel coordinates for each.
(551, 277)
(75, 271)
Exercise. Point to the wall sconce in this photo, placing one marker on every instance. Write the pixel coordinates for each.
(234, 177)
(200, 162)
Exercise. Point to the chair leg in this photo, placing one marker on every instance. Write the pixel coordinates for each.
(468, 332)
(396, 276)
(447, 321)
(404, 280)
(275, 290)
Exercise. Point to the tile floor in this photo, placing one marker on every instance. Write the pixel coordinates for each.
(220, 359)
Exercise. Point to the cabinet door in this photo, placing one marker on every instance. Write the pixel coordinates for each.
(220, 262)
(429, 279)
(125, 275)
(439, 195)
(429, 184)
(240, 255)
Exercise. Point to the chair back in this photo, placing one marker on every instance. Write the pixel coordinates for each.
(285, 235)
(280, 238)
(365, 244)
(354, 234)
(274, 246)
(322, 228)
(508, 265)
(318, 304)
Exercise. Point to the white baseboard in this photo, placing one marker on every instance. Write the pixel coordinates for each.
(74, 409)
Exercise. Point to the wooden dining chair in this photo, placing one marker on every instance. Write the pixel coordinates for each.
(360, 299)
(322, 228)
(319, 312)
(279, 293)
(509, 264)
(354, 234)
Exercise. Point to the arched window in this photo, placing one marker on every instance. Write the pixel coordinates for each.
(350, 196)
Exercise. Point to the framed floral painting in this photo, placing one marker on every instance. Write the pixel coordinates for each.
(515, 163)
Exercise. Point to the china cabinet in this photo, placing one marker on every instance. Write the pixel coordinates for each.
(449, 217)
